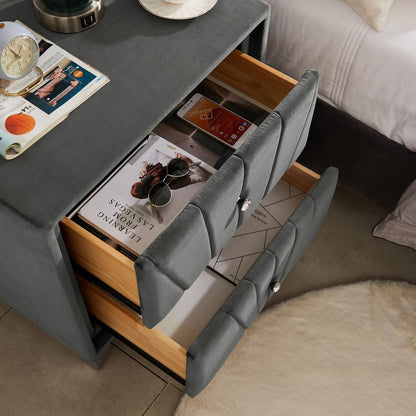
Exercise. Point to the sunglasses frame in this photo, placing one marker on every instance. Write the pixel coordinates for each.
(165, 183)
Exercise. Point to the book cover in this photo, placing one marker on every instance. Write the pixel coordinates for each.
(256, 233)
(120, 209)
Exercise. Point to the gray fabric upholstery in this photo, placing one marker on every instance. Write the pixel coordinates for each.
(37, 277)
(248, 174)
(242, 304)
(169, 265)
(217, 201)
(298, 232)
(42, 185)
(296, 111)
(100, 134)
(209, 351)
(261, 274)
(309, 218)
(258, 155)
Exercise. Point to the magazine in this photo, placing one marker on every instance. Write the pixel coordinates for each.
(67, 83)
(255, 234)
(120, 209)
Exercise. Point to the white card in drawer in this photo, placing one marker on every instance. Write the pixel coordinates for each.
(251, 239)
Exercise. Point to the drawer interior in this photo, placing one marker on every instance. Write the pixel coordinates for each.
(168, 341)
(250, 89)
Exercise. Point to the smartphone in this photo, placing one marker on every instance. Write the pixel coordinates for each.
(222, 124)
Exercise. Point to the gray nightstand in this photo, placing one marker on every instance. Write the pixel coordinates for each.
(152, 64)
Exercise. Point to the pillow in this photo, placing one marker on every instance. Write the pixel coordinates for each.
(374, 12)
(400, 226)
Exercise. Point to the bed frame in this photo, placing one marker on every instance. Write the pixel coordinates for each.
(370, 165)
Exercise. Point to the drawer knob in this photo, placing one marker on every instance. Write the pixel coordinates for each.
(276, 287)
(246, 204)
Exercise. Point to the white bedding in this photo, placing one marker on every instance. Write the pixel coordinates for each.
(370, 75)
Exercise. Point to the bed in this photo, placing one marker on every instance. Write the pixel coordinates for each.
(365, 121)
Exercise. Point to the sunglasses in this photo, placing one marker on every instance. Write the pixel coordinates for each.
(160, 194)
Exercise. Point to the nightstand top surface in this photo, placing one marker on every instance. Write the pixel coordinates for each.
(152, 64)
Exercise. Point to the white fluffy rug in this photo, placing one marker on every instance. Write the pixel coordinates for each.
(347, 350)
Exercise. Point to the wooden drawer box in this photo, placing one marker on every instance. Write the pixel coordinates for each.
(248, 80)
(117, 271)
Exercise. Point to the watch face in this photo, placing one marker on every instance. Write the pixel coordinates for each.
(19, 56)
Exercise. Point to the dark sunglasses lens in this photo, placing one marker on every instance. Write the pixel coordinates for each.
(159, 194)
(177, 167)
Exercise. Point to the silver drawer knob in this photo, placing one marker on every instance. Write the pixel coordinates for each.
(246, 204)
(276, 287)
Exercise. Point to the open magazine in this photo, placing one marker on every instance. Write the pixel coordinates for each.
(120, 209)
(67, 83)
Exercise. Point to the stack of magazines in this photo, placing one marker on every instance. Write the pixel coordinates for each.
(67, 83)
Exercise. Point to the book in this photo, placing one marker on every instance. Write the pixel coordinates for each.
(120, 208)
(255, 234)
(67, 83)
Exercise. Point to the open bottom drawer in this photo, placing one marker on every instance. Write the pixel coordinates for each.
(116, 270)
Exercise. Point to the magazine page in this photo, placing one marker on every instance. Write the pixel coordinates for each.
(121, 208)
(256, 233)
(66, 84)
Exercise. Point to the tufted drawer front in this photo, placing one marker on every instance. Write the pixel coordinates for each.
(217, 202)
(256, 82)
(142, 298)
(232, 194)
(209, 351)
(169, 266)
(198, 360)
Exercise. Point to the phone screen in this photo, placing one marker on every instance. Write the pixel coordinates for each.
(217, 120)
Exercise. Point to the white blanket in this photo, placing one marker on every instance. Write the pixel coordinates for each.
(370, 75)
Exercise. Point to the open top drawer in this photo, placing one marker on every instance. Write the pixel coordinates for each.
(251, 89)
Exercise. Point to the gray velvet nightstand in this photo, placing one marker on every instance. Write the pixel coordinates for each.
(58, 271)
(152, 64)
